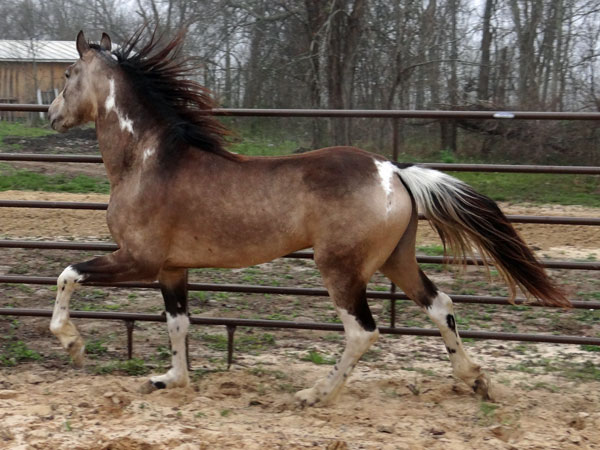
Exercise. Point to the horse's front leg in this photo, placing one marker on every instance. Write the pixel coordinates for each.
(116, 267)
(173, 284)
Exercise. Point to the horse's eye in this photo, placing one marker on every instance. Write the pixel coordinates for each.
(67, 74)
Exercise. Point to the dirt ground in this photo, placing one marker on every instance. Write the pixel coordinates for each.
(384, 406)
(401, 396)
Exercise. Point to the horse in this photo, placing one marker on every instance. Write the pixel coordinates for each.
(179, 199)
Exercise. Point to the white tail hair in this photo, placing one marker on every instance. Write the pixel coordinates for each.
(464, 218)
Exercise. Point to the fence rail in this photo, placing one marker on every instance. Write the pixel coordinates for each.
(231, 324)
(366, 113)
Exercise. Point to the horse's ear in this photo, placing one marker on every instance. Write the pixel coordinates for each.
(105, 43)
(82, 44)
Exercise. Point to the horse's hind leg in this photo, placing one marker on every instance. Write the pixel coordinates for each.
(402, 269)
(348, 292)
(173, 284)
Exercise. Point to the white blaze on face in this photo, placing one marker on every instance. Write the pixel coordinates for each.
(125, 123)
(386, 171)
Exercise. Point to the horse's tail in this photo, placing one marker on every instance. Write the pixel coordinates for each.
(459, 215)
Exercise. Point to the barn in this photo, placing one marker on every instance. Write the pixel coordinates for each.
(33, 71)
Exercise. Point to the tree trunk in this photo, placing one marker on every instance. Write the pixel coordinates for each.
(448, 127)
(345, 31)
(483, 84)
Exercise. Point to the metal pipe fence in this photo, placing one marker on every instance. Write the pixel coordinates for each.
(231, 324)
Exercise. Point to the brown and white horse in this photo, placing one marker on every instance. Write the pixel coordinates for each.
(179, 199)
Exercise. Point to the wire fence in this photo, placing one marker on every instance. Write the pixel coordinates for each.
(230, 323)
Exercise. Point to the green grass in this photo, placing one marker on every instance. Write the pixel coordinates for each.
(316, 358)
(432, 250)
(25, 180)
(242, 342)
(134, 367)
(18, 129)
(263, 147)
(95, 348)
(16, 352)
(536, 188)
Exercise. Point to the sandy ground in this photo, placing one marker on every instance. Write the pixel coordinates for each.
(405, 398)
(384, 406)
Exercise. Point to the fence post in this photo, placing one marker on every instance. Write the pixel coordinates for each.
(392, 306)
(129, 324)
(395, 139)
(230, 332)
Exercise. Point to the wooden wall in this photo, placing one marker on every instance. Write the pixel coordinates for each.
(18, 81)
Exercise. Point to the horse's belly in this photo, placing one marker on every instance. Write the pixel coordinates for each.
(234, 251)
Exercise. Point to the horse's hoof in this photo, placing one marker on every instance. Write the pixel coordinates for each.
(77, 352)
(307, 397)
(481, 387)
(148, 387)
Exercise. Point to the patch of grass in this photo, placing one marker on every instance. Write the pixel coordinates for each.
(316, 358)
(488, 409)
(262, 372)
(255, 146)
(590, 348)
(134, 367)
(19, 129)
(588, 371)
(536, 188)
(544, 386)
(432, 267)
(14, 352)
(25, 180)
(95, 347)
(245, 342)
(432, 250)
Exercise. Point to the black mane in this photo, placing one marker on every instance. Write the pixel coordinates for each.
(158, 73)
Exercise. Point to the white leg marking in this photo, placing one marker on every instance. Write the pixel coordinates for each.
(110, 104)
(442, 314)
(358, 341)
(177, 376)
(61, 325)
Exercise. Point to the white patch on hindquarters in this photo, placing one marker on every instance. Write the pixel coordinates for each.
(358, 341)
(147, 154)
(386, 172)
(177, 376)
(125, 123)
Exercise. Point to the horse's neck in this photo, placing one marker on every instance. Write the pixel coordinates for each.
(121, 126)
(118, 140)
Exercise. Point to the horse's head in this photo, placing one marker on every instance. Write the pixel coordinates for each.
(78, 102)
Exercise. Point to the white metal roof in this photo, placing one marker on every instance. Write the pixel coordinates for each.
(40, 51)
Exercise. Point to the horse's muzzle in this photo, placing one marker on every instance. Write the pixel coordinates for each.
(55, 117)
